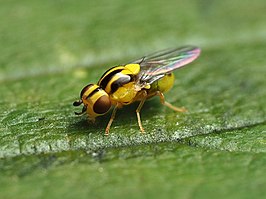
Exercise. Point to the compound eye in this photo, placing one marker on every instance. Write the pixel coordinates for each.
(102, 105)
(85, 89)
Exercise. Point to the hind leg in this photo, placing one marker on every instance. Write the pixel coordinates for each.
(162, 99)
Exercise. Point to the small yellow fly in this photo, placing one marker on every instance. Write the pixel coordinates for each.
(137, 81)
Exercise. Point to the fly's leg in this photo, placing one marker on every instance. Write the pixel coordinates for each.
(160, 94)
(144, 96)
(111, 120)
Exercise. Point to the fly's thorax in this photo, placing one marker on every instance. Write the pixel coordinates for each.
(118, 76)
(133, 68)
(125, 94)
(164, 84)
(118, 82)
(96, 100)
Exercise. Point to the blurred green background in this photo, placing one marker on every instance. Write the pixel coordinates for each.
(51, 49)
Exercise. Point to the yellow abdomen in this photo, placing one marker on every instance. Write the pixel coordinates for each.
(163, 85)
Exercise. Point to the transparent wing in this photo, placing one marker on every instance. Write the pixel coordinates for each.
(156, 65)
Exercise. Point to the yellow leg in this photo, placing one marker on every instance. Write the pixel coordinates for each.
(111, 120)
(138, 110)
(170, 105)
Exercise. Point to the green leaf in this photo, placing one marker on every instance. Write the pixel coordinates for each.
(51, 49)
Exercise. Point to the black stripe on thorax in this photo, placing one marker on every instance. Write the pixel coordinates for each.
(105, 79)
(120, 82)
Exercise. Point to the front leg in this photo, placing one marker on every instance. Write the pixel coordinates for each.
(111, 120)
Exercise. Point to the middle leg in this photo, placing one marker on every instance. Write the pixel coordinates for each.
(144, 97)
